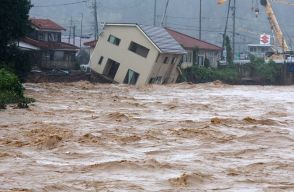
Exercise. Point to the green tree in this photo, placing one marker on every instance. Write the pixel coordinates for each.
(11, 90)
(14, 23)
(229, 50)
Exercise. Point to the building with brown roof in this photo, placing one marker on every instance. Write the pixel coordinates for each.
(197, 50)
(49, 51)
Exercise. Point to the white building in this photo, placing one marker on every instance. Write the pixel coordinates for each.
(259, 50)
(137, 54)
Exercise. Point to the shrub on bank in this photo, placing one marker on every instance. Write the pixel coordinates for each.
(259, 71)
(266, 73)
(11, 90)
(198, 74)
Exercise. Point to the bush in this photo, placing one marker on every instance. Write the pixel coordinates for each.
(197, 74)
(11, 90)
(10, 83)
(266, 73)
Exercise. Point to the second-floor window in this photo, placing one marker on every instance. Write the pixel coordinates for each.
(49, 36)
(139, 49)
(41, 36)
(114, 40)
(53, 37)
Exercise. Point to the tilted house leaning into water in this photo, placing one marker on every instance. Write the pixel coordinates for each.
(137, 54)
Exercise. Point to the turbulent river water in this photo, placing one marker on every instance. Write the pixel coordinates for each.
(206, 137)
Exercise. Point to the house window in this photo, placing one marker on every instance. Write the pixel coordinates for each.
(41, 36)
(165, 60)
(201, 60)
(53, 37)
(111, 68)
(51, 55)
(114, 40)
(139, 49)
(174, 60)
(59, 56)
(155, 80)
(100, 60)
(131, 77)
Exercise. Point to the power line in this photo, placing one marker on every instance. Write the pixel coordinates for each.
(62, 4)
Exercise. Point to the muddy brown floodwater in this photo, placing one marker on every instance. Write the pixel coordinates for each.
(206, 137)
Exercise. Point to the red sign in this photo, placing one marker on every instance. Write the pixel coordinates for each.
(265, 39)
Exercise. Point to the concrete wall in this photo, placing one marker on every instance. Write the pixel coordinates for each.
(121, 54)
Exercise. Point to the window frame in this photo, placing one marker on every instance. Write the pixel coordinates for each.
(134, 47)
(165, 60)
(116, 41)
(174, 60)
(131, 81)
(100, 60)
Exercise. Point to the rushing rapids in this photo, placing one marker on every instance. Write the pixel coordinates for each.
(92, 137)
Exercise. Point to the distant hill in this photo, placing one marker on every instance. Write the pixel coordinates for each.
(182, 15)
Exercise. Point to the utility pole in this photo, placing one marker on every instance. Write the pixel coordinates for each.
(74, 35)
(69, 36)
(234, 28)
(155, 10)
(200, 18)
(226, 27)
(164, 15)
(81, 34)
(96, 33)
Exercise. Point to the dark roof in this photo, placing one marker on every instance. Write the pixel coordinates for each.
(91, 43)
(50, 45)
(163, 40)
(189, 42)
(46, 24)
(159, 37)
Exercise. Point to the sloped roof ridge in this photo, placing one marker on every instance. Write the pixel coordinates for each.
(39, 22)
(192, 37)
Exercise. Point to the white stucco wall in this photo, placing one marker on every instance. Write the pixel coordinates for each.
(121, 54)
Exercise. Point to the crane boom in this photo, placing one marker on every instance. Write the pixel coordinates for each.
(275, 25)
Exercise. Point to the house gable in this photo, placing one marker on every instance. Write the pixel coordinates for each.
(158, 37)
